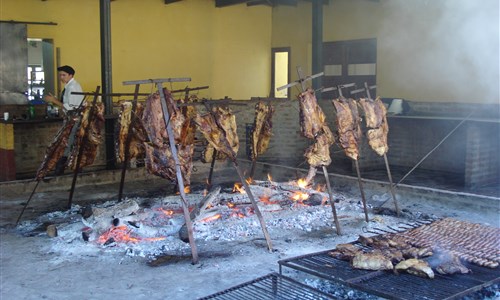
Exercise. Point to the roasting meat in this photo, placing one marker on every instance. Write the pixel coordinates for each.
(318, 154)
(262, 128)
(56, 149)
(415, 267)
(219, 128)
(188, 130)
(135, 129)
(159, 157)
(208, 153)
(450, 264)
(473, 243)
(88, 136)
(344, 252)
(371, 261)
(376, 121)
(312, 118)
(348, 126)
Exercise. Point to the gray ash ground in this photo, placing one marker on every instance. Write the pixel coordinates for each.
(232, 249)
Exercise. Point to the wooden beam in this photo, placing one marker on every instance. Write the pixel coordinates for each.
(222, 3)
(171, 1)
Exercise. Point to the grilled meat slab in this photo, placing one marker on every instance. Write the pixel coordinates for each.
(415, 267)
(262, 128)
(91, 125)
(56, 149)
(371, 261)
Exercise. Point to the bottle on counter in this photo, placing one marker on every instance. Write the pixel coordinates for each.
(31, 111)
(49, 111)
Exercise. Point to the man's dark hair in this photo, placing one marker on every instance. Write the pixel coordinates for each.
(67, 69)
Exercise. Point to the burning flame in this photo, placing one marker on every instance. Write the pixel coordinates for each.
(249, 180)
(238, 187)
(302, 183)
(320, 188)
(269, 177)
(212, 218)
(300, 196)
(121, 234)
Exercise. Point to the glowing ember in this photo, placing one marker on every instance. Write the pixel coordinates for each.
(167, 212)
(238, 187)
(187, 190)
(302, 183)
(299, 196)
(211, 218)
(267, 200)
(249, 180)
(230, 204)
(320, 188)
(121, 234)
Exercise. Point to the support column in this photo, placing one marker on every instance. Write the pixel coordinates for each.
(317, 43)
(106, 80)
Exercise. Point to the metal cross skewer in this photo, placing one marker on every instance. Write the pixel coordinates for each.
(386, 161)
(82, 145)
(173, 148)
(128, 140)
(356, 163)
(302, 81)
(247, 190)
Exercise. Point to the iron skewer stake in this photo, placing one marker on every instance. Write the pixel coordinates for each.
(386, 161)
(127, 142)
(327, 179)
(396, 205)
(27, 202)
(248, 191)
(80, 150)
(180, 180)
(211, 172)
(332, 202)
(361, 190)
(255, 206)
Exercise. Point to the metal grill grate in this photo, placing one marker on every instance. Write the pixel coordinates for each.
(272, 286)
(392, 286)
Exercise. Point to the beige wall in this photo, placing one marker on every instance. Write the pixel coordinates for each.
(225, 48)
(440, 51)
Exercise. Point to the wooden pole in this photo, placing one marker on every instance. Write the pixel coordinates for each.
(255, 206)
(127, 142)
(396, 205)
(332, 202)
(361, 190)
(180, 180)
(211, 172)
(27, 202)
(80, 150)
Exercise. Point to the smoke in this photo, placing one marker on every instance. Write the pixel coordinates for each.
(446, 50)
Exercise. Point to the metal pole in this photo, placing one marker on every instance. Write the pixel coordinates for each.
(180, 180)
(361, 190)
(332, 202)
(27, 202)
(396, 205)
(127, 142)
(255, 206)
(80, 149)
(317, 41)
(211, 172)
(106, 80)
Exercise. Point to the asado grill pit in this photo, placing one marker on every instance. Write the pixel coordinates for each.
(403, 286)
(272, 286)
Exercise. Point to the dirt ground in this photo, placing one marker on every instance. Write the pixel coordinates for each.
(32, 269)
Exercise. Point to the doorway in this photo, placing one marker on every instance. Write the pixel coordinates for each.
(280, 71)
(40, 72)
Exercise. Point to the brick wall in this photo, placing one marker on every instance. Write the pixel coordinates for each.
(482, 166)
(31, 140)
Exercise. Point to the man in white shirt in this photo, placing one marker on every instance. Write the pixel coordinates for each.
(68, 101)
